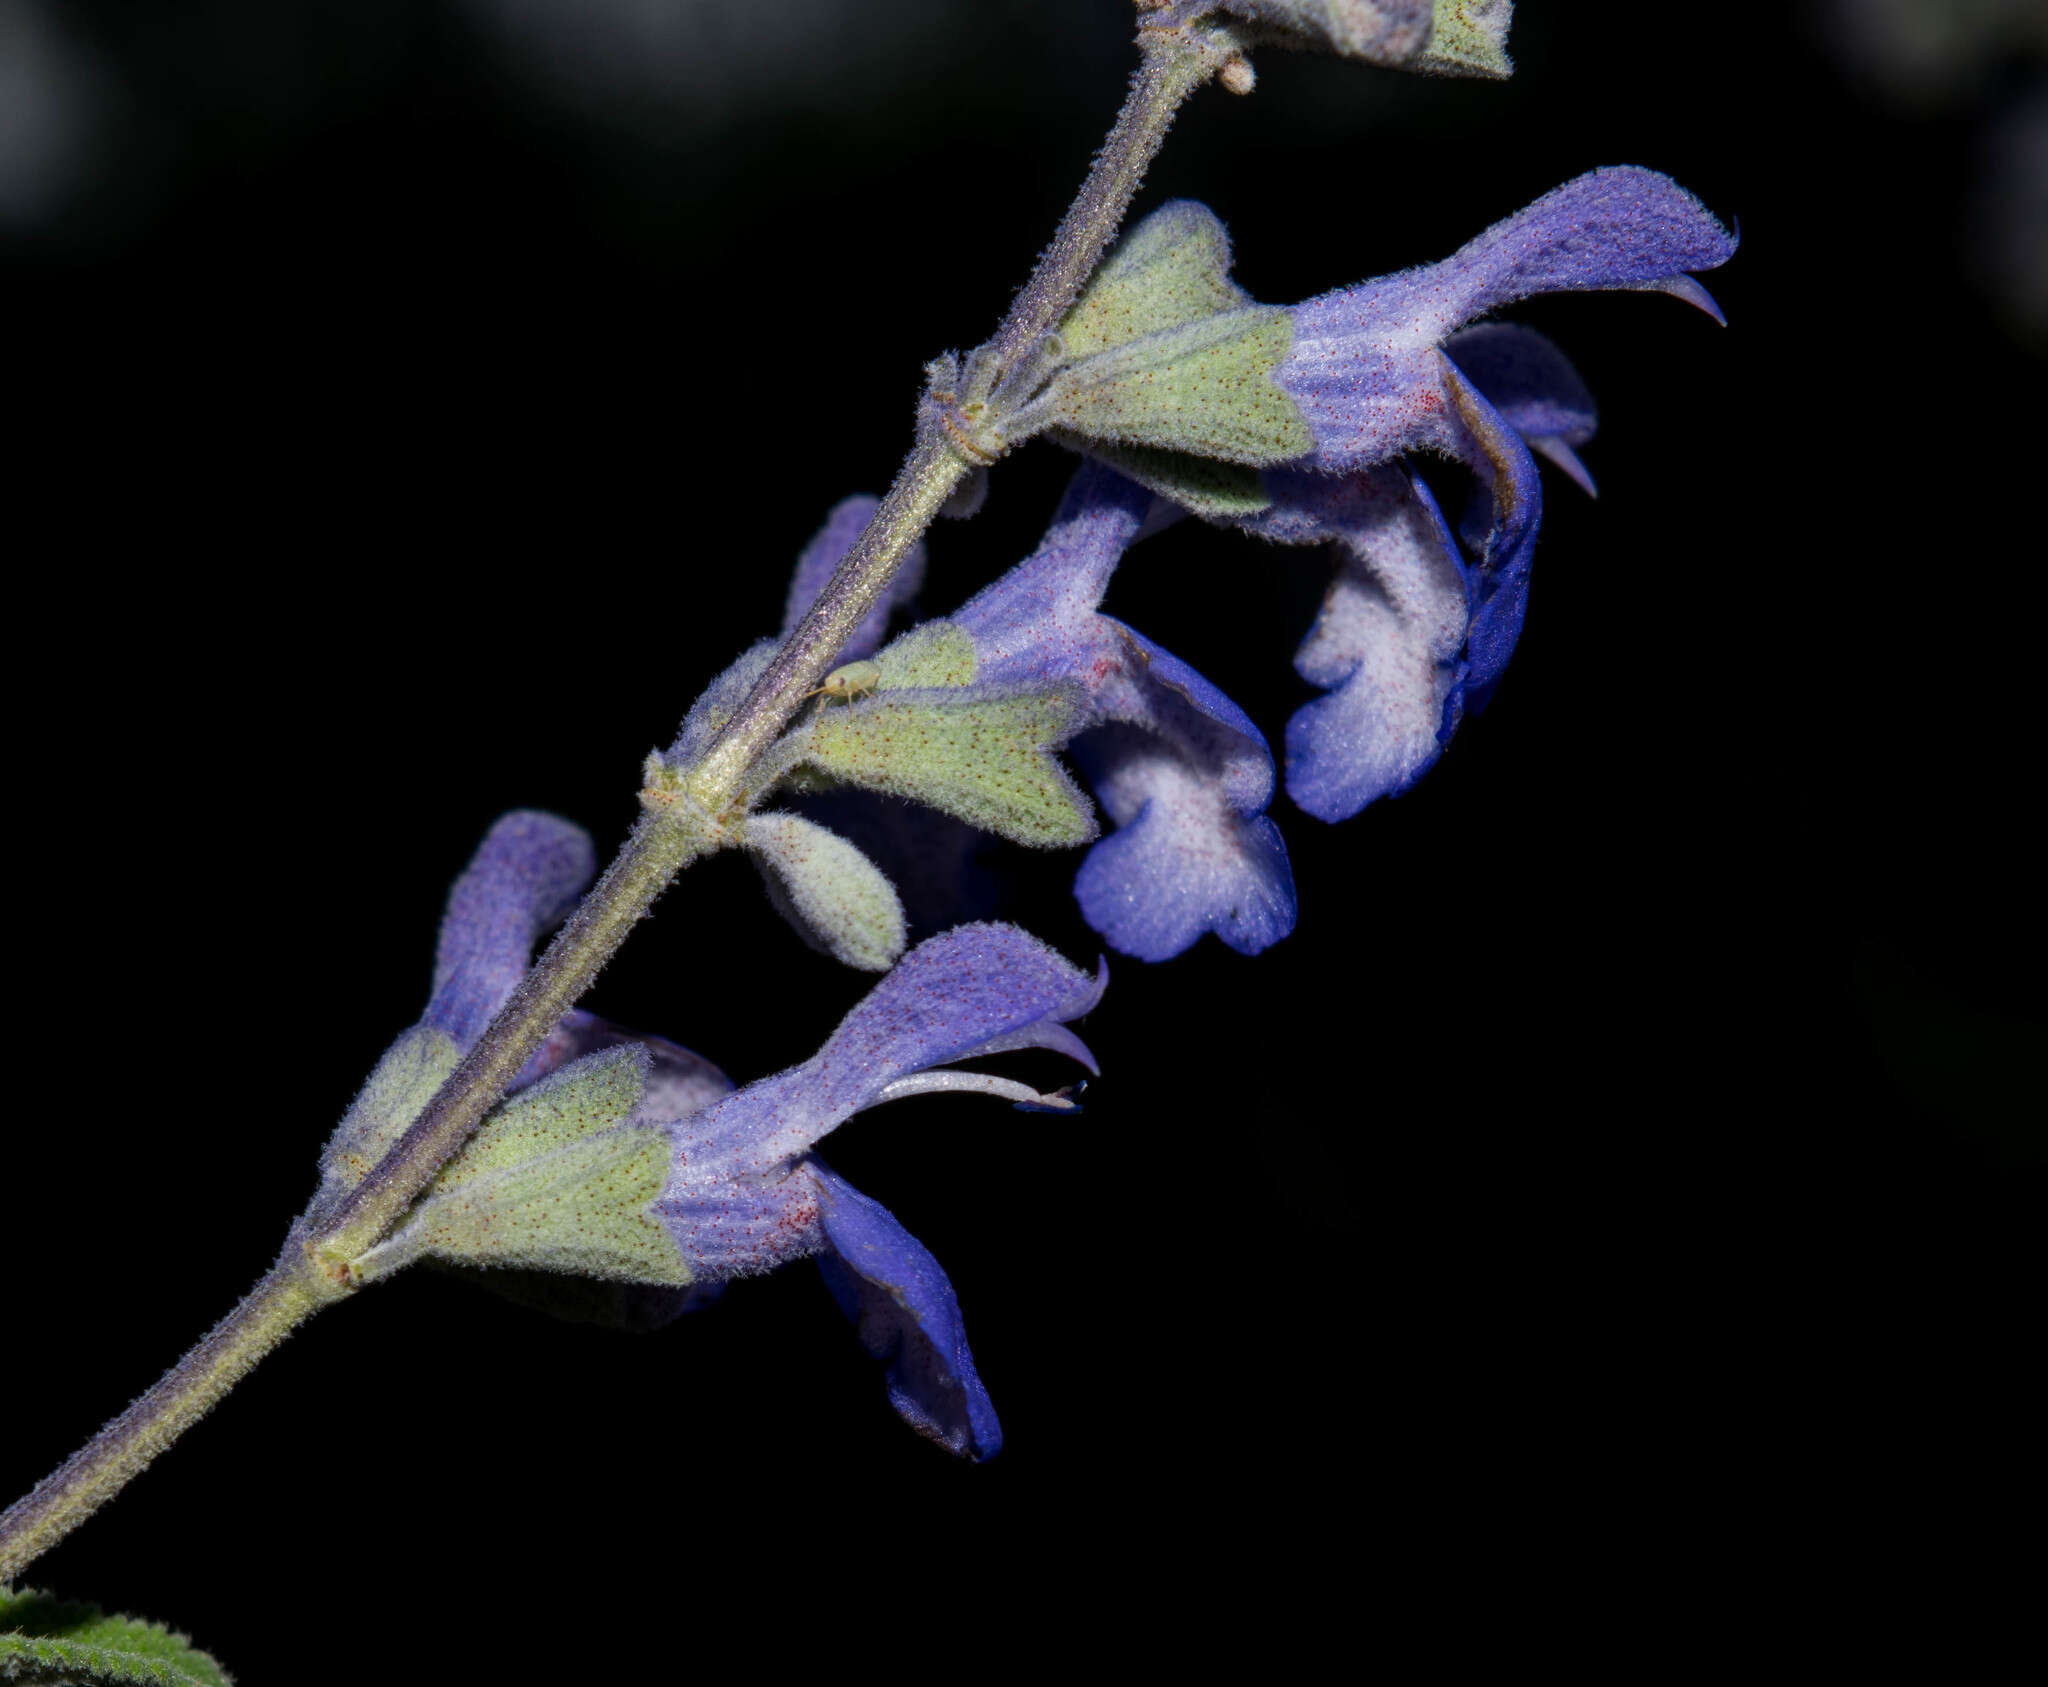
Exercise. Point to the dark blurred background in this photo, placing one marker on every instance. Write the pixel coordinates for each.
(413, 404)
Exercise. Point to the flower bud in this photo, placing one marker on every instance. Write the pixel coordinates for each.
(839, 901)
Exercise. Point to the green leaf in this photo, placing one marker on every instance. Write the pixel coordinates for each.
(48, 1640)
(1206, 388)
(983, 759)
(1214, 490)
(1470, 39)
(840, 902)
(552, 1181)
(1173, 268)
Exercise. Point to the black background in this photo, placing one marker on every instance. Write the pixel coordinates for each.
(1628, 1152)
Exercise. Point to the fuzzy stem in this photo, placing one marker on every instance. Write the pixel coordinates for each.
(928, 476)
(315, 1269)
(291, 1293)
(660, 847)
(1173, 67)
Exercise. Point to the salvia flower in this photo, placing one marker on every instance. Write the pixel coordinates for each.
(1413, 635)
(623, 1177)
(1177, 765)
(1417, 628)
(964, 714)
(746, 1192)
(1365, 367)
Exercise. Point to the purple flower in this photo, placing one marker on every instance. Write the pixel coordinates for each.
(1180, 768)
(530, 870)
(746, 1193)
(1413, 634)
(1365, 367)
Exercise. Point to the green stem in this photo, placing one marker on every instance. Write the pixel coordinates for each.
(285, 1298)
(315, 1268)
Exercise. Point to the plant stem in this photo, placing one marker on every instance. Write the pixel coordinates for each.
(290, 1293)
(1173, 67)
(314, 1269)
(928, 476)
(660, 847)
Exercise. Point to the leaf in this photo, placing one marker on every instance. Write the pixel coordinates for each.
(1173, 268)
(48, 1640)
(839, 901)
(1205, 388)
(980, 758)
(1218, 491)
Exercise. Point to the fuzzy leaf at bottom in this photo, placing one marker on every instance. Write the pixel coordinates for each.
(46, 1641)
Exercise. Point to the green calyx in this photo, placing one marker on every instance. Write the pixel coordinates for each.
(1470, 38)
(1164, 353)
(554, 1180)
(1172, 269)
(937, 653)
(1205, 389)
(986, 760)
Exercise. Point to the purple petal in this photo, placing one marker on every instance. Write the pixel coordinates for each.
(525, 877)
(849, 518)
(1527, 379)
(1362, 368)
(1560, 455)
(1386, 642)
(729, 1219)
(1182, 861)
(1623, 227)
(1038, 622)
(1505, 539)
(974, 990)
(1188, 789)
(1685, 288)
(1166, 751)
(887, 1282)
